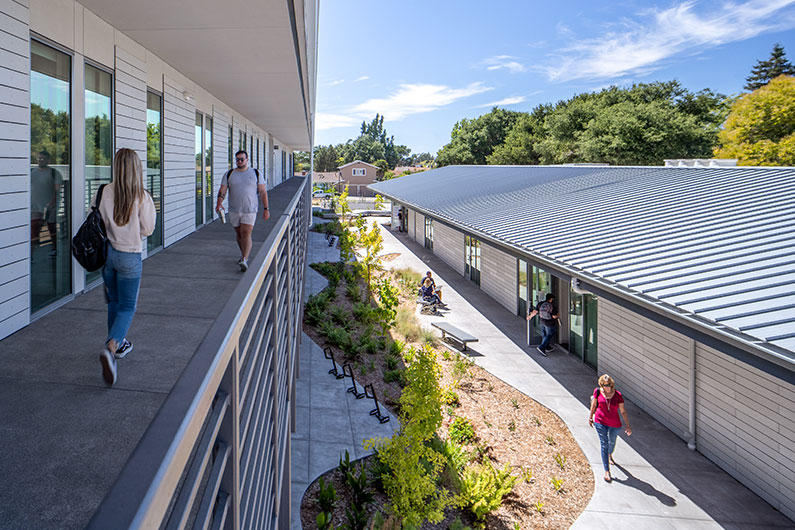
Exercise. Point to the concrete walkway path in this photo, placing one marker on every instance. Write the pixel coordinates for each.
(329, 420)
(658, 484)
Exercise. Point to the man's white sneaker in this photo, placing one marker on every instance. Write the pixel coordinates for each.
(243, 265)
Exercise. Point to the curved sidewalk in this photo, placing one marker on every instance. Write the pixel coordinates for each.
(658, 484)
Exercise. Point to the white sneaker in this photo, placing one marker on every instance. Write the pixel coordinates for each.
(243, 264)
(109, 372)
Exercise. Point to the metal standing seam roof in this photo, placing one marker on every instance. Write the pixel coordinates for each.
(717, 243)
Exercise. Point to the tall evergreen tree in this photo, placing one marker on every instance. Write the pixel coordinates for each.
(764, 71)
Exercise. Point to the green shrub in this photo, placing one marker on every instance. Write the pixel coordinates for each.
(395, 376)
(461, 431)
(450, 398)
(363, 312)
(483, 489)
(409, 278)
(406, 324)
(428, 337)
(326, 496)
(458, 525)
(352, 292)
(391, 362)
(396, 347)
(414, 467)
(340, 317)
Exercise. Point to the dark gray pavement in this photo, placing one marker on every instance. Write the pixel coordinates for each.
(64, 435)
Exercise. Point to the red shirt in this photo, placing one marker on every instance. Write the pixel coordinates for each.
(607, 409)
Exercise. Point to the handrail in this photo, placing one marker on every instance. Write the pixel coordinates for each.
(146, 490)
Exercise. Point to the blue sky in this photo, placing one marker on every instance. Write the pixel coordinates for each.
(426, 64)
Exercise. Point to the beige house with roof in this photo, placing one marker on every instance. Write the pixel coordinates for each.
(357, 175)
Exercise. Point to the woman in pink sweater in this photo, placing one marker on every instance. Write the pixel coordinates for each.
(606, 402)
(129, 215)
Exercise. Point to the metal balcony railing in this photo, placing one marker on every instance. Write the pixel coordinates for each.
(217, 453)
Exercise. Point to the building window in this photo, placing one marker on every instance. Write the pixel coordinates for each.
(257, 159)
(429, 233)
(199, 161)
(523, 294)
(154, 164)
(359, 172)
(208, 168)
(472, 257)
(231, 147)
(50, 174)
(98, 136)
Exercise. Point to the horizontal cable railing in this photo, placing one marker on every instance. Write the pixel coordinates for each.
(215, 455)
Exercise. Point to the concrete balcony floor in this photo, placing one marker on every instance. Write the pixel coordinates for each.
(65, 435)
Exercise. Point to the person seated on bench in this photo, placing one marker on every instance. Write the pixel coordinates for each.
(426, 291)
(429, 276)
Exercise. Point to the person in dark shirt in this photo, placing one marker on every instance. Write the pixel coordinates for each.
(429, 276)
(427, 294)
(548, 313)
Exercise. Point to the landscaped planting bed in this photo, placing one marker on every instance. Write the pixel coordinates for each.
(472, 451)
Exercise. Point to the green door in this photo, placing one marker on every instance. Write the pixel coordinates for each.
(540, 285)
(582, 327)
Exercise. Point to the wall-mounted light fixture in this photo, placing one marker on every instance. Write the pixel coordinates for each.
(275, 147)
(188, 96)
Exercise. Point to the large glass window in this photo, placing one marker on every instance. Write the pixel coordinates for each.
(199, 151)
(99, 136)
(208, 168)
(472, 255)
(50, 175)
(429, 233)
(521, 276)
(154, 164)
(582, 330)
(231, 153)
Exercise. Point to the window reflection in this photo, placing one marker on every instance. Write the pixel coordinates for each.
(208, 168)
(50, 174)
(99, 139)
(154, 165)
(199, 161)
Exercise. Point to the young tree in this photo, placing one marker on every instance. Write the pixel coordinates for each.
(760, 130)
(764, 71)
(371, 243)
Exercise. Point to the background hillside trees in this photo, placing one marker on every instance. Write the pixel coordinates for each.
(641, 124)
(765, 71)
(760, 130)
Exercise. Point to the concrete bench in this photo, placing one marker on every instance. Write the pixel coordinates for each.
(455, 333)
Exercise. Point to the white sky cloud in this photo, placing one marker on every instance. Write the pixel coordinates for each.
(325, 120)
(641, 47)
(337, 82)
(363, 78)
(416, 99)
(504, 102)
(507, 62)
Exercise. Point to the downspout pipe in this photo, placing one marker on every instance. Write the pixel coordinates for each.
(691, 436)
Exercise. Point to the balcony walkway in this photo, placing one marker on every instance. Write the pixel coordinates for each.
(659, 483)
(65, 435)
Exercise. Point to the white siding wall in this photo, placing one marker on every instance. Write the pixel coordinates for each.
(448, 244)
(498, 276)
(411, 223)
(268, 162)
(14, 166)
(131, 103)
(746, 424)
(277, 163)
(179, 118)
(649, 362)
(419, 228)
(220, 151)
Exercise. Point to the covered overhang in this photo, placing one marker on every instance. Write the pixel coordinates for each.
(254, 55)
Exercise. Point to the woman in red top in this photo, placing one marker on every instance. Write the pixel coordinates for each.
(606, 403)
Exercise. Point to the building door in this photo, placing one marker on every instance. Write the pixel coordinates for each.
(472, 257)
(541, 283)
(209, 206)
(429, 233)
(582, 328)
(522, 287)
(199, 157)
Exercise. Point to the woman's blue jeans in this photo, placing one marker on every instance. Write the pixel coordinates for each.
(122, 276)
(607, 439)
